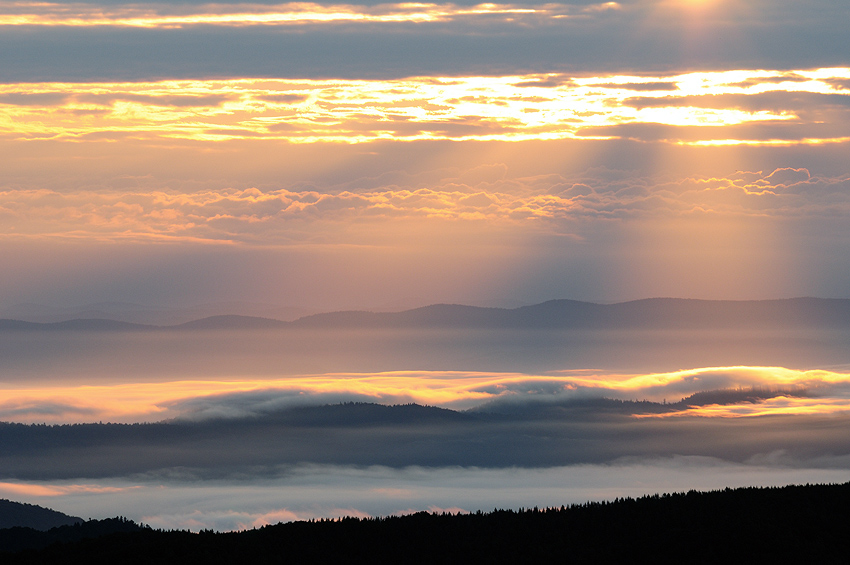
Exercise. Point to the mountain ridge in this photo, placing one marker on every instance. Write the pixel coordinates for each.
(648, 313)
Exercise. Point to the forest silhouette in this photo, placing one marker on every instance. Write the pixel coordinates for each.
(536, 433)
(778, 523)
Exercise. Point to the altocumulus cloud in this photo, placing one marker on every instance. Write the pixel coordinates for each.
(392, 40)
(552, 203)
(688, 108)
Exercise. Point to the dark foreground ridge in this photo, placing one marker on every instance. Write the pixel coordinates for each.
(31, 516)
(787, 524)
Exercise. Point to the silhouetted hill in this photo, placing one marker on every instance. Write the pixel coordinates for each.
(152, 315)
(787, 524)
(18, 539)
(353, 414)
(734, 396)
(231, 322)
(73, 325)
(655, 313)
(539, 432)
(649, 314)
(20, 514)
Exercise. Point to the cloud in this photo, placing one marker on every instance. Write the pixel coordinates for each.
(55, 41)
(788, 176)
(694, 107)
(48, 490)
(292, 14)
(775, 102)
(283, 216)
(535, 434)
(767, 390)
(40, 99)
(175, 100)
(650, 86)
(33, 408)
(511, 214)
(267, 401)
(232, 520)
(282, 99)
(333, 491)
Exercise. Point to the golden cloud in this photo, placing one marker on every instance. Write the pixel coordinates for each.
(284, 216)
(287, 14)
(820, 392)
(506, 108)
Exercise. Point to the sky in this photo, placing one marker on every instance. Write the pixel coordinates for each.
(164, 161)
(335, 156)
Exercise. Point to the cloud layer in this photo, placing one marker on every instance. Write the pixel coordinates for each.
(170, 16)
(733, 107)
(50, 41)
(772, 391)
(533, 423)
(330, 492)
(552, 204)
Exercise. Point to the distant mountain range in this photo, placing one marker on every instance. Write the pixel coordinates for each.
(568, 314)
(148, 315)
(654, 313)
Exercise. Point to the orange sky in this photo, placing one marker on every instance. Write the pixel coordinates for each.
(327, 155)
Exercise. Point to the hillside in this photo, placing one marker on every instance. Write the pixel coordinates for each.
(793, 523)
(19, 514)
